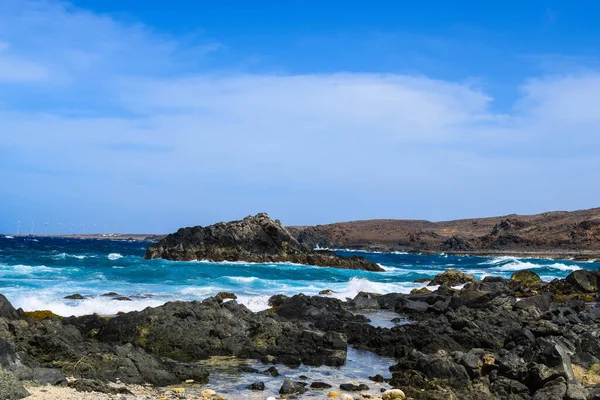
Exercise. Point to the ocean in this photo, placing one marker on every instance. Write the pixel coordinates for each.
(36, 273)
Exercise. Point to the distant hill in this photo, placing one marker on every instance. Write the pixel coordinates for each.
(551, 234)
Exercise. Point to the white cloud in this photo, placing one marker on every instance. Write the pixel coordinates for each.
(123, 122)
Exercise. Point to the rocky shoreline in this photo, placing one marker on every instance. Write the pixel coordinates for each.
(518, 339)
(257, 239)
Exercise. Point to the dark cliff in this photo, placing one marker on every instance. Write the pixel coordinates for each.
(254, 239)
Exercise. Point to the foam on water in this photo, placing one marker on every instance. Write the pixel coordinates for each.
(93, 305)
(38, 275)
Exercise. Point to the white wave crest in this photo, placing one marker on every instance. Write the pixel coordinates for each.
(518, 265)
(356, 285)
(255, 303)
(98, 305)
(242, 279)
(62, 256)
(499, 260)
(9, 237)
(114, 256)
(27, 269)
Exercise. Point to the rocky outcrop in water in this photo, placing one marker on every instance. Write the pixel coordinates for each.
(254, 239)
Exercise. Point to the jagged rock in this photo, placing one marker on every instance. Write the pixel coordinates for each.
(584, 281)
(365, 300)
(7, 310)
(452, 277)
(226, 295)
(554, 390)
(197, 330)
(277, 300)
(253, 239)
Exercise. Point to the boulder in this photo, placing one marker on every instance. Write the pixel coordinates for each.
(48, 376)
(393, 394)
(451, 277)
(526, 278)
(226, 295)
(584, 280)
(351, 387)
(7, 310)
(366, 300)
(257, 386)
(320, 385)
(291, 387)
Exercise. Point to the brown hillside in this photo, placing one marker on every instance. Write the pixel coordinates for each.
(555, 234)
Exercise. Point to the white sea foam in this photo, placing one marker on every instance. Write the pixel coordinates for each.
(518, 265)
(98, 305)
(254, 303)
(394, 270)
(114, 256)
(62, 256)
(242, 279)
(9, 237)
(356, 285)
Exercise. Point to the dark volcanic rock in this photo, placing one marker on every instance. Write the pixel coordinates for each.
(253, 239)
(290, 387)
(584, 281)
(75, 296)
(7, 310)
(197, 330)
(320, 385)
(257, 386)
(350, 387)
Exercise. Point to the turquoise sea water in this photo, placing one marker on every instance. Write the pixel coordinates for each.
(36, 273)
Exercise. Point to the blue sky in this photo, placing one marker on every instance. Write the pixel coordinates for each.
(146, 116)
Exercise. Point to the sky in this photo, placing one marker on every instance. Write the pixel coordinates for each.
(144, 116)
